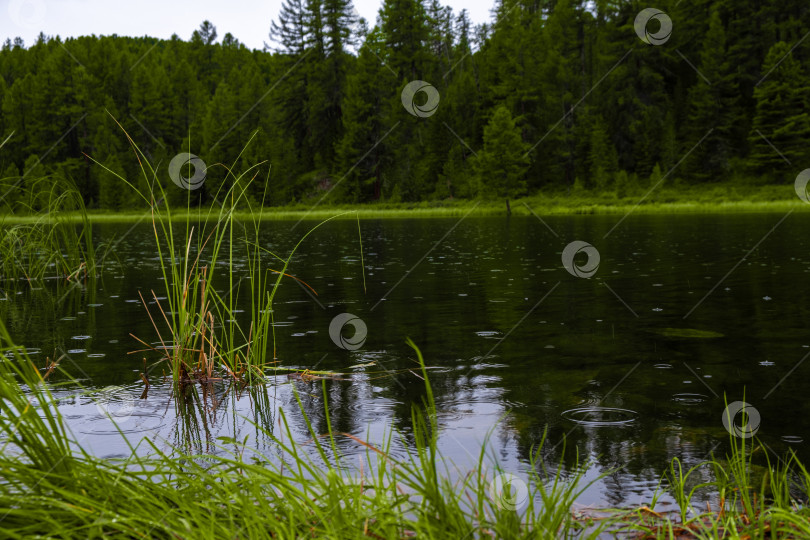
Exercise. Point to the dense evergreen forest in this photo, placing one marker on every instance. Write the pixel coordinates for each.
(551, 95)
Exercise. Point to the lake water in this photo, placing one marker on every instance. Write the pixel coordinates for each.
(631, 367)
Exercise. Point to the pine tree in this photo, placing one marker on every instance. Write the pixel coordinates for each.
(202, 56)
(18, 117)
(290, 31)
(457, 178)
(635, 97)
(711, 100)
(299, 99)
(501, 165)
(112, 193)
(562, 86)
(364, 125)
(405, 30)
(147, 104)
(220, 116)
(326, 69)
(602, 158)
(3, 128)
(186, 95)
(207, 33)
(781, 116)
(747, 46)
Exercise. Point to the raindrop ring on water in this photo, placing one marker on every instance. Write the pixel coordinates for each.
(509, 492)
(749, 429)
(590, 267)
(409, 97)
(176, 166)
(642, 23)
(115, 402)
(600, 416)
(336, 331)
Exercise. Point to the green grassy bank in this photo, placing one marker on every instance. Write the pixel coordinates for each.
(51, 487)
(679, 200)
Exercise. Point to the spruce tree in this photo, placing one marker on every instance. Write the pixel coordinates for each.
(602, 158)
(501, 165)
(781, 116)
(364, 108)
(711, 100)
(404, 25)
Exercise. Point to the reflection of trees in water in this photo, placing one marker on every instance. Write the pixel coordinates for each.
(596, 339)
(350, 403)
(31, 311)
(633, 457)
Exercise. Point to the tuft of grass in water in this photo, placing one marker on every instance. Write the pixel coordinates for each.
(190, 257)
(54, 243)
(51, 486)
(746, 505)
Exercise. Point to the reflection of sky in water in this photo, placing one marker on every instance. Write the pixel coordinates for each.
(608, 364)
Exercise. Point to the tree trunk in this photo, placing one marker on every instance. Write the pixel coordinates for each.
(508, 209)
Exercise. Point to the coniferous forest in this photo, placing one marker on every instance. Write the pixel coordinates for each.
(551, 95)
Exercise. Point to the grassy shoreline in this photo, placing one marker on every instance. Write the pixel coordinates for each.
(52, 486)
(521, 207)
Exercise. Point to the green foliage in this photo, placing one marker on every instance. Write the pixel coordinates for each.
(54, 487)
(602, 156)
(190, 254)
(501, 165)
(325, 99)
(49, 244)
(781, 121)
(711, 101)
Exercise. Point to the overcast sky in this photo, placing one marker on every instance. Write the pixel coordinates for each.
(248, 20)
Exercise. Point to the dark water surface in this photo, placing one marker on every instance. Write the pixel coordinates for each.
(517, 346)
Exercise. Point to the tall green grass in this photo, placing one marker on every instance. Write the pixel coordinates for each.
(204, 338)
(51, 486)
(53, 245)
(749, 500)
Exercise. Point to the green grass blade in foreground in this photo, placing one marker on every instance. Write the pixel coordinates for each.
(56, 489)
